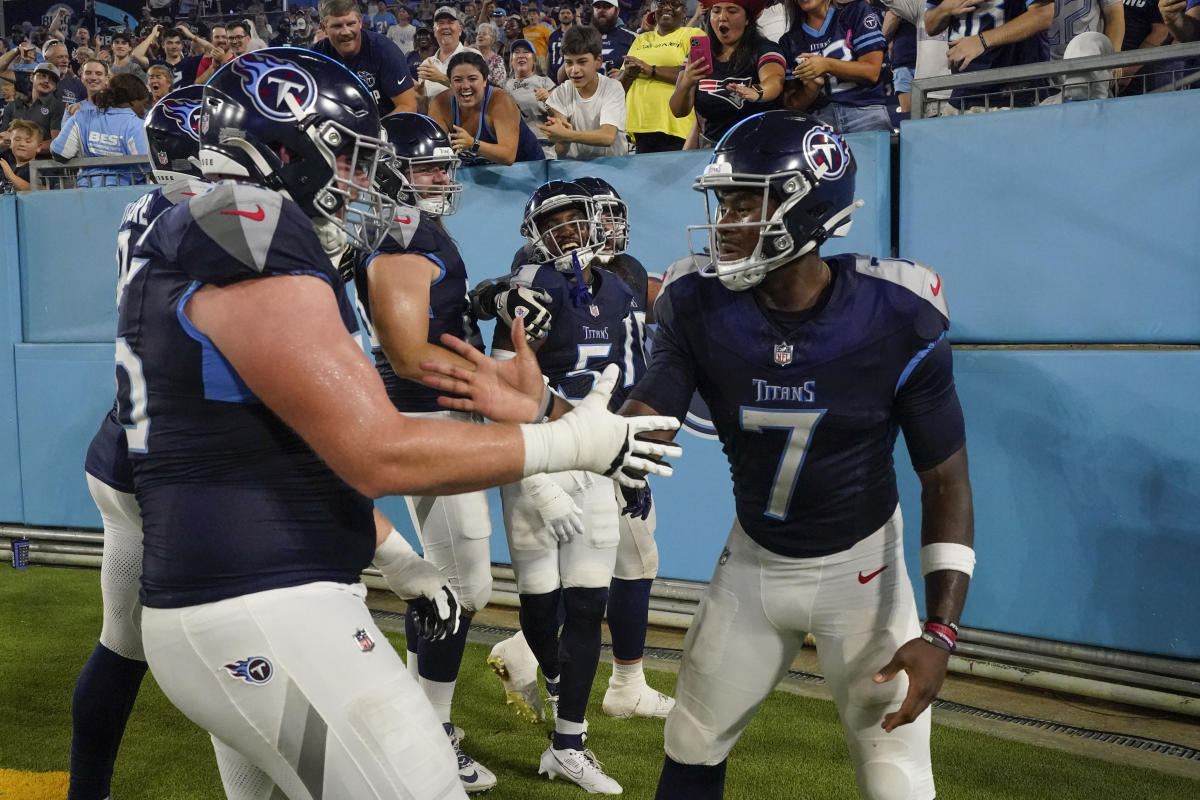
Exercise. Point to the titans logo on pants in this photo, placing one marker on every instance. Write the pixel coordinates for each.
(256, 670)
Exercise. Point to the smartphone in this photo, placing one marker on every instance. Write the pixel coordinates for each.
(701, 47)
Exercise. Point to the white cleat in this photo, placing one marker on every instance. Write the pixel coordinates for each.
(580, 767)
(475, 777)
(636, 701)
(517, 668)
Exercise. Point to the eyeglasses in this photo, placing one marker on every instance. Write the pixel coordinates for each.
(237, 38)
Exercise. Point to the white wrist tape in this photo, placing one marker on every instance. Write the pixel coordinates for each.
(947, 555)
(395, 548)
(549, 447)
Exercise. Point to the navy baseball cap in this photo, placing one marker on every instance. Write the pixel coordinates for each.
(528, 45)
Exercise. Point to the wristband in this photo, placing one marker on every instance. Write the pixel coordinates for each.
(654, 72)
(936, 642)
(760, 93)
(942, 633)
(947, 555)
(543, 414)
(474, 148)
(983, 42)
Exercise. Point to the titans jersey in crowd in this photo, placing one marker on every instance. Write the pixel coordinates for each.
(807, 405)
(987, 16)
(108, 454)
(848, 33)
(586, 335)
(379, 64)
(233, 501)
(414, 233)
(720, 107)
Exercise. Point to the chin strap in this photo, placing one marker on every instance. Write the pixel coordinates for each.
(579, 292)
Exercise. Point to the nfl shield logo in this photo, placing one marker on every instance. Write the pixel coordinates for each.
(783, 354)
(595, 309)
(365, 642)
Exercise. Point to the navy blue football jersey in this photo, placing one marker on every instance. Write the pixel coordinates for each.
(808, 406)
(987, 16)
(849, 32)
(419, 234)
(585, 337)
(233, 500)
(108, 455)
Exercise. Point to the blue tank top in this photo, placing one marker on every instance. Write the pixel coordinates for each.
(528, 148)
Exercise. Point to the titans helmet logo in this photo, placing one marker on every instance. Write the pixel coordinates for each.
(273, 85)
(825, 151)
(185, 114)
(256, 670)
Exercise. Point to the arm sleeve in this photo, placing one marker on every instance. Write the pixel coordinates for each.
(928, 409)
(670, 378)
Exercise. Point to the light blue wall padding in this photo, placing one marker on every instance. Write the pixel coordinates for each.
(10, 333)
(63, 392)
(1075, 223)
(1085, 472)
(68, 262)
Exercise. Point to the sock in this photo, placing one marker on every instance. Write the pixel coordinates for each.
(625, 675)
(104, 694)
(691, 781)
(438, 664)
(440, 695)
(411, 645)
(539, 621)
(628, 605)
(579, 649)
(568, 735)
(552, 686)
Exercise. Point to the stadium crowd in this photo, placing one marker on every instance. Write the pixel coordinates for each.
(568, 81)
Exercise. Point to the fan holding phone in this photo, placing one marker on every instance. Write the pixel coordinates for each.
(732, 71)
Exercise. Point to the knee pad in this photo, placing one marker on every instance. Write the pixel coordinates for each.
(688, 740)
(537, 581)
(637, 552)
(587, 605)
(475, 587)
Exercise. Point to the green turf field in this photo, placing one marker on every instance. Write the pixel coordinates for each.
(50, 618)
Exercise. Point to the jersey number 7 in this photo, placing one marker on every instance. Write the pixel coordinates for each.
(799, 426)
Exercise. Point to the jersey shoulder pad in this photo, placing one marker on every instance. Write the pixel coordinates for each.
(918, 279)
(684, 266)
(180, 191)
(405, 224)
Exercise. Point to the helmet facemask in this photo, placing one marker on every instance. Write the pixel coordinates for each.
(613, 217)
(587, 232)
(350, 198)
(436, 199)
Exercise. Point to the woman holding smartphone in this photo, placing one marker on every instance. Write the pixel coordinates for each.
(654, 61)
(731, 73)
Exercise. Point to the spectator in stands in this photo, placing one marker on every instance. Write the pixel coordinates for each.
(42, 108)
(746, 75)
(614, 37)
(158, 81)
(257, 42)
(113, 128)
(105, 54)
(263, 29)
(8, 88)
(1144, 28)
(373, 57)
(1083, 28)
(79, 55)
(425, 11)
(650, 68)
(1182, 18)
(184, 69)
(26, 140)
(403, 32)
(987, 34)
(483, 122)
(587, 110)
(301, 31)
(219, 36)
(122, 63)
(536, 30)
(486, 37)
(424, 46)
(529, 89)
(512, 32)
(433, 74)
(901, 35)
(82, 37)
(241, 38)
(70, 89)
(554, 57)
(836, 57)
(95, 78)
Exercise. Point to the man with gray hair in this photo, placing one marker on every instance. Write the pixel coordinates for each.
(373, 57)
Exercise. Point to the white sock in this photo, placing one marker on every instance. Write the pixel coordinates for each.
(567, 728)
(411, 663)
(627, 674)
(440, 695)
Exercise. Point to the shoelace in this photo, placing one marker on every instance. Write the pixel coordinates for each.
(464, 760)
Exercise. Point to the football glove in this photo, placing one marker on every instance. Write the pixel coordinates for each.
(592, 438)
(422, 584)
(561, 516)
(497, 300)
(637, 501)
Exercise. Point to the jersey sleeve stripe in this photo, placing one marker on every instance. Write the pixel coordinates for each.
(912, 364)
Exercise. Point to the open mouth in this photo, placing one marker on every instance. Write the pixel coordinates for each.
(466, 94)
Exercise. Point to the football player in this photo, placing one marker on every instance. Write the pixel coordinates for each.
(810, 366)
(258, 433)
(411, 289)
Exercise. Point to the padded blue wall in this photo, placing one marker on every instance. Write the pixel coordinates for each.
(10, 332)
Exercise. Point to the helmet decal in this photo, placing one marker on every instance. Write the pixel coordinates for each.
(185, 114)
(270, 83)
(825, 152)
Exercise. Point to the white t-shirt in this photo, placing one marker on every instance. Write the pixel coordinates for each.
(433, 89)
(606, 106)
(403, 37)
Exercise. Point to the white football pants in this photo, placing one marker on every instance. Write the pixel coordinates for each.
(637, 552)
(120, 569)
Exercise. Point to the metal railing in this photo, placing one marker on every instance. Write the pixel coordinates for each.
(1020, 77)
(89, 172)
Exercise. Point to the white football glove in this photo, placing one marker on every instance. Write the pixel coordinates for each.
(561, 516)
(422, 584)
(592, 438)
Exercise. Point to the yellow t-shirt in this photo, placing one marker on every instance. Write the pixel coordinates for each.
(538, 36)
(648, 100)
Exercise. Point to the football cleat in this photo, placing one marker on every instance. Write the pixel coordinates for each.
(640, 700)
(475, 777)
(580, 767)
(515, 665)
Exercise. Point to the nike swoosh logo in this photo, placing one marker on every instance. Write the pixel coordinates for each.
(938, 287)
(258, 215)
(403, 221)
(474, 776)
(867, 578)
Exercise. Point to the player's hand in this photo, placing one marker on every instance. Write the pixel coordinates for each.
(561, 516)
(963, 52)
(502, 391)
(637, 501)
(422, 584)
(528, 305)
(926, 668)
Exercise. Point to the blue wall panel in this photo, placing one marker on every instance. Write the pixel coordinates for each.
(1085, 470)
(1061, 224)
(63, 392)
(10, 332)
(68, 262)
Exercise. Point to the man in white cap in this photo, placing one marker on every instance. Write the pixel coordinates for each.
(432, 75)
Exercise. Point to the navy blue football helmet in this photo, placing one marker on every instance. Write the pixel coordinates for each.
(614, 216)
(565, 242)
(284, 118)
(421, 146)
(799, 163)
(173, 135)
